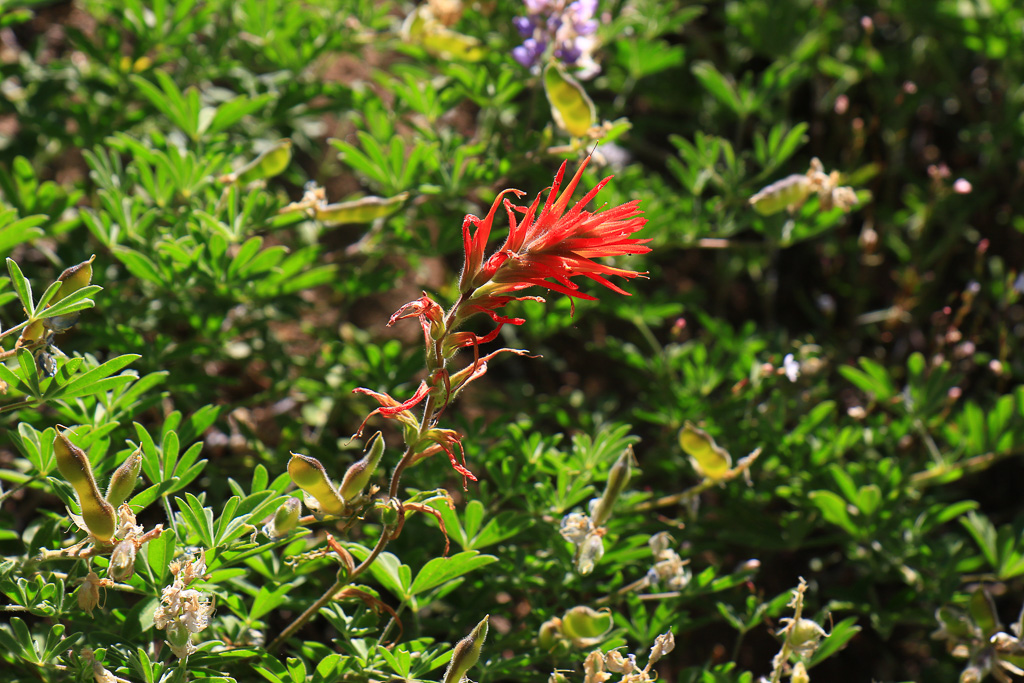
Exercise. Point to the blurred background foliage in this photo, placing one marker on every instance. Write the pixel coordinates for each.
(117, 118)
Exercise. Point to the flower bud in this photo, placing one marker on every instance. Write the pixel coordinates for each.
(586, 627)
(466, 653)
(310, 476)
(617, 480)
(358, 474)
(708, 458)
(122, 561)
(285, 519)
(124, 479)
(799, 674)
(74, 466)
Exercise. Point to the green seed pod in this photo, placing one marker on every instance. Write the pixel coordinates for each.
(788, 193)
(124, 479)
(31, 333)
(73, 464)
(547, 637)
(708, 458)
(74, 278)
(617, 480)
(466, 654)
(310, 476)
(358, 474)
(571, 107)
(365, 210)
(285, 519)
(267, 165)
(583, 623)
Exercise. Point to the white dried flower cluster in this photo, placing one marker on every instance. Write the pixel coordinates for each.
(601, 667)
(668, 568)
(578, 529)
(183, 611)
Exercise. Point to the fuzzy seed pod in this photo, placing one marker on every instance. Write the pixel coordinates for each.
(617, 480)
(122, 561)
(466, 653)
(788, 193)
(72, 280)
(74, 466)
(124, 479)
(285, 519)
(310, 476)
(358, 474)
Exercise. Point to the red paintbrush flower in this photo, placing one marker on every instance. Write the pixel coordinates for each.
(548, 247)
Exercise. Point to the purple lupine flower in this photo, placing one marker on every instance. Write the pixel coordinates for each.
(568, 26)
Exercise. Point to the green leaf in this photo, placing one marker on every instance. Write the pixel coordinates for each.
(443, 569)
(717, 84)
(22, 287)
(833, 509)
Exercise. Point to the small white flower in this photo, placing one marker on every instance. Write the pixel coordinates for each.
(791, 367)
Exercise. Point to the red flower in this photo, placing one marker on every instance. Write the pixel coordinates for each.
(548, 247)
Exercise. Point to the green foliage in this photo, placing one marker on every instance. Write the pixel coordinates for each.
(263, 184)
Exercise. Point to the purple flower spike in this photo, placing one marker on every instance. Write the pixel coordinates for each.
(524, 25)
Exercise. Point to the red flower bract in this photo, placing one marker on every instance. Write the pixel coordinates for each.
(548, 247)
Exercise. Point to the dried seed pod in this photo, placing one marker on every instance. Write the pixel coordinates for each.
(310, 476)
(358, 474)
(589, 553)
(124, 479)
(466, 653)
(617, 480)
(74, 466)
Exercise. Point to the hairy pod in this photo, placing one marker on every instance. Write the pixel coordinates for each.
(466, 653)
(617, 480)
(74, 278)
(122, 561)
(788, 193)
(73, 464)
(310, 476)
(285, 519)
(358, 474)
(124, 479)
